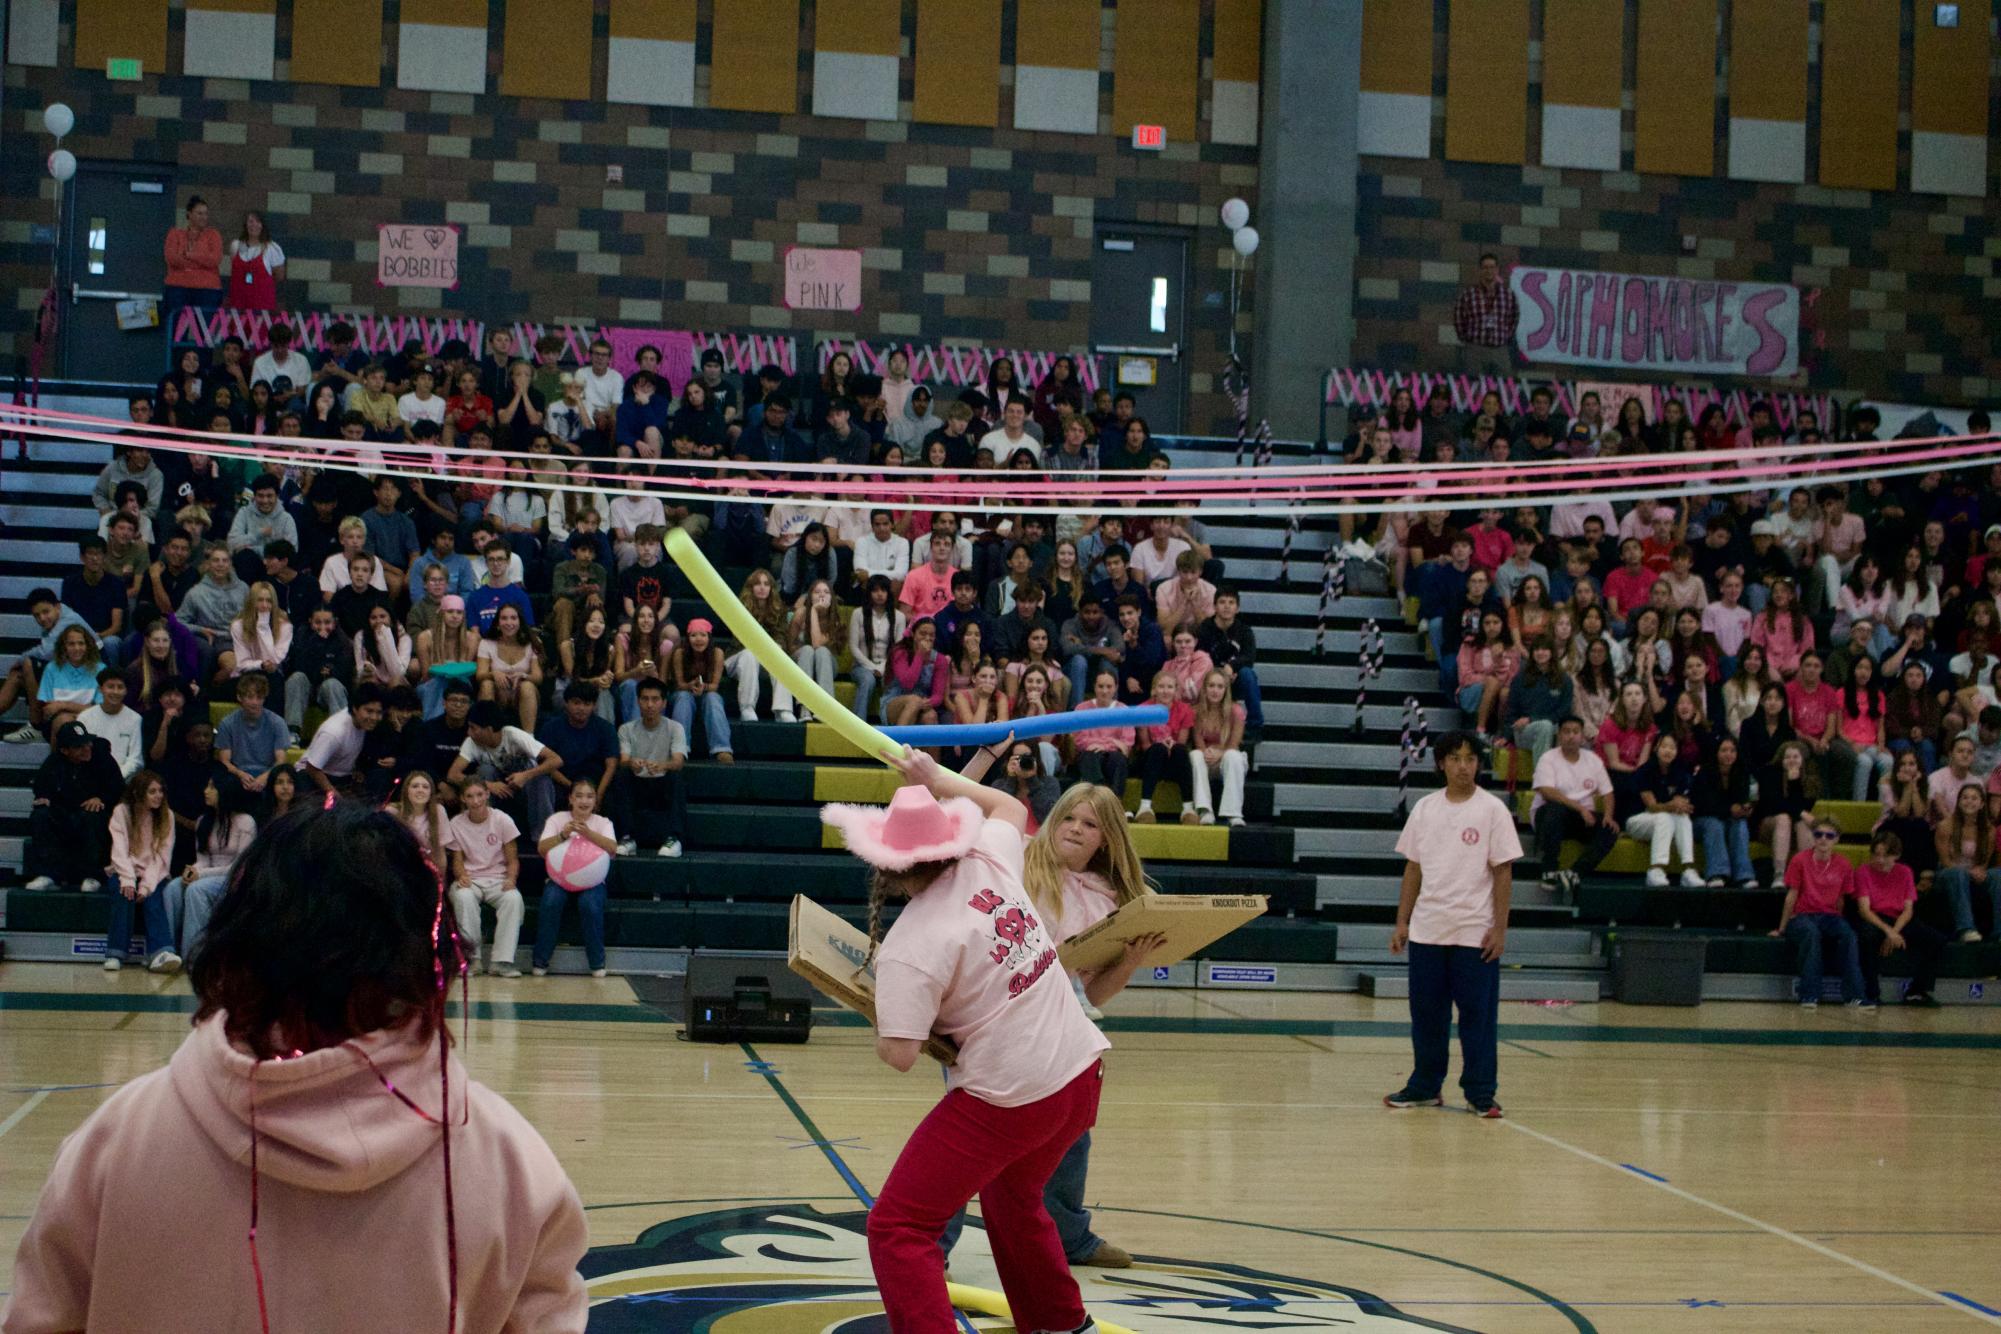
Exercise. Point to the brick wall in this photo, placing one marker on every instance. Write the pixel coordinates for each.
(1900, 288)
(978, 235)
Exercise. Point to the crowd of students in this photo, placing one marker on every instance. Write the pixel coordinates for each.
(1703, 669)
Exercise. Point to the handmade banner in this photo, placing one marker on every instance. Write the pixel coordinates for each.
(1357, 387)
(382, 335)
(818, 279)
(410, 254)
(1639, 322)
(961, 366)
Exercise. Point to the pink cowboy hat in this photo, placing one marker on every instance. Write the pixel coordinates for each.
(915, 827)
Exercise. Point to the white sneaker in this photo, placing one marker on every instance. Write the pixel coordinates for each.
(749, 716)
(784, 716)
(1205, 816)
(671, 848)
(509, 970)
(40, 884)
(1657, 878)
(1692, 879)
(1809, 1005)
(24, 735)
(1092, 1012)
(597, 972)
(1778, 884)
(1236, 822)
(541, 972)
(805, 715)
(166, 961)
(1969, 937)
(112, 963)
(91, 886)
(626, 847)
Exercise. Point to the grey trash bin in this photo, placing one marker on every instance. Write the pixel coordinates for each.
(1658, 967)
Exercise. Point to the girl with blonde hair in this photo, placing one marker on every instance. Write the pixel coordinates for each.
(261, 634)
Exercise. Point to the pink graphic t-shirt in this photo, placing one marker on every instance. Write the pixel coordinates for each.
(971, 958)
(483, 844)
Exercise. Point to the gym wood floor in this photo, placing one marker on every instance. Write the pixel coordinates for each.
(1735, 1168)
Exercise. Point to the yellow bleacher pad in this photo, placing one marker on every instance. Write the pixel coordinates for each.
(1855, 818)
(874, 785)
(824, 743)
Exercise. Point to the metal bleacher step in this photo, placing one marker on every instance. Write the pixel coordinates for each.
(1526, 984)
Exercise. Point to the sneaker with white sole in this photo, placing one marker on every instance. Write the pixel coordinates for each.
(1092, 1012)
(671, 848)
(509, 970)
(541, 972)
(749, 716)
(597, 972)
(1657, 878)
(1692, 879)
(626, 847)
(1486, 1109)
(166, 961)
(1810, 1004)
(40, 884)
(1862, 1005)
(1236, 822)
(1969, 937)
(91, 886)
(24, 735)
(784, 716)
(112, 963)
(1205, 815)
(1406, 1097)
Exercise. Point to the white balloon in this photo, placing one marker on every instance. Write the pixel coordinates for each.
(62, 164)
(58, 119)
(1235, 213)
(1246, 241)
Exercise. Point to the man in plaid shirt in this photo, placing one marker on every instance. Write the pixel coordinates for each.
(1485, 316)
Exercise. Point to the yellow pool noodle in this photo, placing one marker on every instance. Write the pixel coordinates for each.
(983, 1301)
(769, 654)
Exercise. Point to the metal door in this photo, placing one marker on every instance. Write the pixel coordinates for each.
(1139, 291)
(115, 218)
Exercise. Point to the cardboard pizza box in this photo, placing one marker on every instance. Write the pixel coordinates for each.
(829, 952)
(1191, 922)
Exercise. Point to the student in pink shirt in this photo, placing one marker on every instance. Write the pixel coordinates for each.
(1815, 709)
(1817, 880)
(1628, 588)
(1163, 749)
(142, 848)
(1188, 664)
(971, 960)
(1487, 663)
(485, 868)
(1104, 753)
(1886, 898)
(1626, 739)
(1459, 848)
(1862, 737)
(319, 1037)
(927, 589)
(1782, 630)
(1726, 621)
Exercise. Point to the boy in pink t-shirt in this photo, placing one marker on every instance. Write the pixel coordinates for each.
(1459, 847)
(927, 589)
(1886, 899)
(1817, 880)
(970, 959)
(485, 866)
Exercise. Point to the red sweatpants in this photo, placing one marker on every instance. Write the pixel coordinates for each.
(968, 1147)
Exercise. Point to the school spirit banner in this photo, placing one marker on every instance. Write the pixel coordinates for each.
(1578, 317)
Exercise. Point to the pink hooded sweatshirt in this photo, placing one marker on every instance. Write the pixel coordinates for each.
(143, 1221)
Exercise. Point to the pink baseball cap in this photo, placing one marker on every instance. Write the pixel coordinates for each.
(452, 602)
(702, 625)
(915, 827)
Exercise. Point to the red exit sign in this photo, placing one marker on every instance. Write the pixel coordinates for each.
(1152, 138)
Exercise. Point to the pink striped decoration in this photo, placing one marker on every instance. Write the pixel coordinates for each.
(962, 366)
(385, 334)
(1356, 387)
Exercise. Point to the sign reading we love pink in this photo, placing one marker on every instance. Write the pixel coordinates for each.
(416, 255)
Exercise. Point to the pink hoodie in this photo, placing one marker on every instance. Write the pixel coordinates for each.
(143, 1221)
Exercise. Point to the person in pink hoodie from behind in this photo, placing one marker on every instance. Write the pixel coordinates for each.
(319, 984)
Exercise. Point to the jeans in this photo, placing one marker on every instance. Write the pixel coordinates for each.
(715, 719)
(1554, 823)
(1726, 848)
(1954, 884)
(1448, 655)
(1469, 697)
(818, 663)
(1811, 933)
(536, 803)
(1247, 690)
(1441, 977)
(330, 695)
(1006, 1156)
(1923, 943)
(865, 679)
(153, 911)
(1927, 751)
(1535, 736)
(549, 921)
(197, 905)
(1105, 767)
(1078, 669)
(1872, 765)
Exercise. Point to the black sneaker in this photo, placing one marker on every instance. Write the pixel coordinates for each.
(1924, 1000)
(1405, 1098)
(1487, 1110)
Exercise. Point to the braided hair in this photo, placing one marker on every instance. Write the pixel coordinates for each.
(886, 885)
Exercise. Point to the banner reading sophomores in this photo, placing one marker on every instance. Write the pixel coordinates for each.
(1682, 325)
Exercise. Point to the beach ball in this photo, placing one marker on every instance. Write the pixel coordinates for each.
(578, 865)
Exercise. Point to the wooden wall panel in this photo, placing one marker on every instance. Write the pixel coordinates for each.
(1674, 92)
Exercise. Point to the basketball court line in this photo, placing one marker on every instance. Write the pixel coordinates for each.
(1950, 1301)
(20, 1114)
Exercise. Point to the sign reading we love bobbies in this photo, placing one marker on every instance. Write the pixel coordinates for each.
(1584, 318)
(823, 279)
(416, 255)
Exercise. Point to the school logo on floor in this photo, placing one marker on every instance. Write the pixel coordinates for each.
(800, 1267)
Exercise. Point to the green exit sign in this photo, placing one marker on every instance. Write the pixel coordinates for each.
(122, 68)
